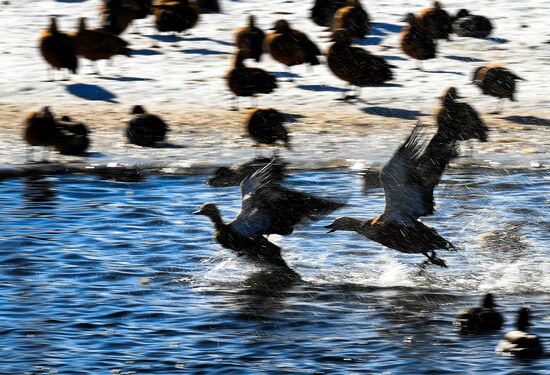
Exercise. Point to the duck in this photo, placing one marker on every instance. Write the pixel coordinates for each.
(145, 129)
(520, 342)
(496, 80)
(473, 26)
(267, 208)
(175, 15)
(480, 318)
(250, 40)
(245, 81)
(71, 137)
(459, 120)
(58, 48)
(97, 44)
(355, 65)
(39, 130)
(225, 176)
(117, 15)
(417, 42)
(266, 126)
(436, 20)
(408, 179)
(291, 47)
(323, 11)
(209, 6)
(353, 18)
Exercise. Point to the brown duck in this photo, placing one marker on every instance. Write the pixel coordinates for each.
(175, 15)
(355, 65)
(496, 80)
(459, 120)
(117, 15)
(39, 129)
(353, 18)
(520, 342)
(145, 129)
(266, 126)
(57, 48)
(471, 25)
(291, 47)
(245, 81)
(97, 44)
(323, 11)
(480, 318)
(250, 40)
(267, 208)
(437, 21)
(409, 179)
(71, 137)
(416, 41)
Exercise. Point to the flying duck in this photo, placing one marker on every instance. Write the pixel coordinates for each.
(71, 137)
(57, 48)
(224, 176)
(416, 41)
(145, 129)
(521, 343)
(436, 20)
(291, 47)
(496, 80)
(39, 129)
(323, 11)
(480, 318)
(473, 26)
(353, 18)
(97, 44)
(250, 40)
(245, 81)
(355, 65)
(267, 208)
(459, 120)
(175, 15)
(409, 179)
(266, 126)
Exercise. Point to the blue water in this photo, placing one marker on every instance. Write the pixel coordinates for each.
(99, 276)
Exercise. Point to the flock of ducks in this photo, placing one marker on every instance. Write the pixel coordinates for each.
(268, 207)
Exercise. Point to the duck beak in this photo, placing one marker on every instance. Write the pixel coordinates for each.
(198, 212)
(331, 228)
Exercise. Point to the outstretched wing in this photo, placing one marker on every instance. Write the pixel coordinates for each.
(411, 175)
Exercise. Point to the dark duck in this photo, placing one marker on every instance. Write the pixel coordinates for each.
(409, 179)
(267, 208)
(323, 11)
(417, 42)
(353, 18)
(72, 137)
(250, 40)
(175, 15)
(520, 342)
(39, 130)
(58, 49)
(470, 25)
(480, 318)
(498, 81)
(266, 126)
(436, 20)
(145, 129)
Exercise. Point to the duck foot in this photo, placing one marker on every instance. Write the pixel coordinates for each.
(433, 259)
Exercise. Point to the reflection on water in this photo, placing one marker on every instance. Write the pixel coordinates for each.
(115, 275)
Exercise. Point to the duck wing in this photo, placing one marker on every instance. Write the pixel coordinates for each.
(411, 175)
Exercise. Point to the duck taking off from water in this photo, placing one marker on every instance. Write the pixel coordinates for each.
(267, 208)
(409, 179)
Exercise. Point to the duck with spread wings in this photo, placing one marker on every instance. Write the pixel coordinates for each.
(409, 179)
(267, 208)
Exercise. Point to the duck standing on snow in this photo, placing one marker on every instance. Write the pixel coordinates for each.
(356, 65)
(323, 11)
(116, 15)
(436, 20)
(459, 120)
(480, 318)
(267, 208)
(57, 48)
(416, 41)
(97, 44)
(472, 26)
(250, 40)
(175, 15)
(224, 176)
(352, 18)
(409, 179)
(245, 81)
(496, 80)
(71, 137)
(266, 126)
(291, 47)
(521, 343)
(145, 129)
(39, 130)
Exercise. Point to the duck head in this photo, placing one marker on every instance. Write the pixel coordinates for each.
(488, 301)
(82, 24)
(210, 210)
(410, 18)
(281, 26)
(137, 110)
(344, 223)
(450, 95)
(341, 36)
(475, 76)
(46, 112)
(53, 25)
(353, 3)
(462, 13)
(437, 5)
(251, 20)
(523, 319)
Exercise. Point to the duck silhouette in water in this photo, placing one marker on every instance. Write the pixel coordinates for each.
(409, 179)
(480, 318)
(267, 208)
